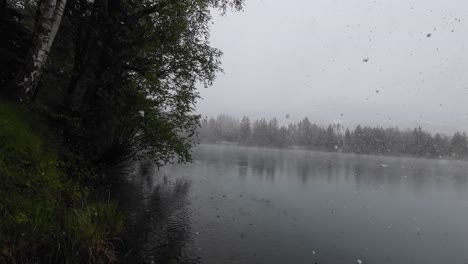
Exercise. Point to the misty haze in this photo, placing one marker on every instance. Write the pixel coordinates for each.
(233, 131)
(349, 62)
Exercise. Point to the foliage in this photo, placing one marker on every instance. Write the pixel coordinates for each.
(32, 185)
(89, 233)
(128, 72)
(119, 69)
(13, 44)
(40, 207)
(334, 137)
(119, 84)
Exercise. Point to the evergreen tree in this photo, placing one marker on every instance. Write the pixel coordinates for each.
(361, 140)
(245, 131)
(283, 138)
(347, 141)
(272, 133)
(331, 140)
(458, 145)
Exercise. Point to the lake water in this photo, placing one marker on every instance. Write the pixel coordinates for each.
(254, 205)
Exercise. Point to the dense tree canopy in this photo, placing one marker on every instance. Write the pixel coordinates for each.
(120, 78)
(335, 137)
(86, 85)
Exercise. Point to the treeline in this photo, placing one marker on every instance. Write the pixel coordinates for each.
(334, 137)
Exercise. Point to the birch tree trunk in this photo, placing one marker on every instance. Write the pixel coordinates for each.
(48, 20)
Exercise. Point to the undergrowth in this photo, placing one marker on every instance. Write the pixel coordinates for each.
(45, 214)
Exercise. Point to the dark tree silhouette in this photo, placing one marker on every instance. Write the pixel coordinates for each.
(335, 138)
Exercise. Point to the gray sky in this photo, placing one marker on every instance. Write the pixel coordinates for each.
(306, 58)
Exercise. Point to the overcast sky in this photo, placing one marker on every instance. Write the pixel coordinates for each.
(382, 62)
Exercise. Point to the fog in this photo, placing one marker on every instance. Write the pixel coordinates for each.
(389, 63)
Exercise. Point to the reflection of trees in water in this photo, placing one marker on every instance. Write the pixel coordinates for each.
(369, 171)
(146, 172)
(168, 228)
(270, 170)
(315, 167)
(304, 170)
(375, 172)
(332, 169)
(243, 165)
(347, 172)
(417, 174)
(258, 165)
(418, 178)
(460, 183)
(263, 165)
(243, 160)
(243, 171)
(262, 162)
(159, 226)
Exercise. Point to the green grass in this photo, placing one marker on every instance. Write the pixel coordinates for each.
(43, 212)
(89, 232)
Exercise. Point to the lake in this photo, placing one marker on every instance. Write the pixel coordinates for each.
(254, 205)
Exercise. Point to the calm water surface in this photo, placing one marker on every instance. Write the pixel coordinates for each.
(252, 205)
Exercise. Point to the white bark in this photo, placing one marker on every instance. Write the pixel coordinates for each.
(59, 9)
(47, 23)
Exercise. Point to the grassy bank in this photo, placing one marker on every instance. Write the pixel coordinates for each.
(45, 213)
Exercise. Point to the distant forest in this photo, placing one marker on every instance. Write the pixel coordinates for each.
(334, 137)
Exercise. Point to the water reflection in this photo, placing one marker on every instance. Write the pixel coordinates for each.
(253, 205)
(243, 166)
(263, 166)
(159, 222)
(364, 171)
(278, 206)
